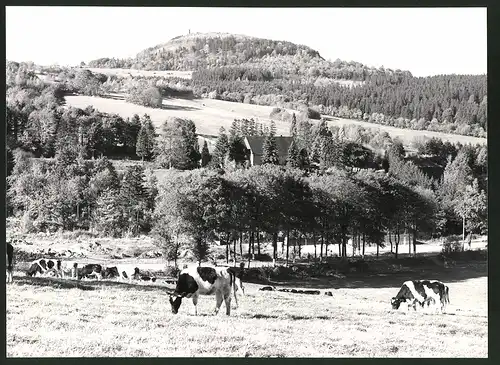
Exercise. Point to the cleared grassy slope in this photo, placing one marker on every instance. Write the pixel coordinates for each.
(209, 115)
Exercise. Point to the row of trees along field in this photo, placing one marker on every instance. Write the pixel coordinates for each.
(71, 192)
(255, 204)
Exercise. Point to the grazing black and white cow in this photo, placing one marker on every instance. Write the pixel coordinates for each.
(421, 292)
(9, 258)
(44, 267)
(196, 280)
(444, 294)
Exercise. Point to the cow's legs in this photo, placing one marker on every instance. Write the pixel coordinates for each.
(195, 302)
(235, 296)
(9, 275)
(218, 300)
(227, 299)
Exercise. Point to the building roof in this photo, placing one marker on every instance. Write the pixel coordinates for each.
(256, 144)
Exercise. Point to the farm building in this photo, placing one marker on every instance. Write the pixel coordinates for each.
(255, 147)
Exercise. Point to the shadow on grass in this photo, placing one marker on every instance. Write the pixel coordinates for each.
(52, 282)
(288, 317)
(86, 284)
(458, 273)
(179, 107)
(113, 97)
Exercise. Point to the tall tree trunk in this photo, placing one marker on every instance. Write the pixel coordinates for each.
(321, 245)
(249, 249)
(253, 244)
(409, 244)
(227, 248)
(275, 245)
(378, 249)
(364, 242)
(258, 242)
(315, 247)
(300, 246)
(390, 241)
(344, 243)
(414, 239)
(287, 246)
(241, 245)
(234, 250)
(463, 232)
(354, 242)
(397, 238)
(327, 240)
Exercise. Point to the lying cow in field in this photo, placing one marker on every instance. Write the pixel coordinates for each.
(194, 281)
(44, 267)
(123, 273)
(9, 258)
(422, 292)
(90, 270)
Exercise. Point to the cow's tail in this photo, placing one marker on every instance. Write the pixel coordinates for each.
(447, 294)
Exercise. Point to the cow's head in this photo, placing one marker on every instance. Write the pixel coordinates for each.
(175, 303)
(395, 303)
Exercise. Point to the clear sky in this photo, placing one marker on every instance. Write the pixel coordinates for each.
(425, 41)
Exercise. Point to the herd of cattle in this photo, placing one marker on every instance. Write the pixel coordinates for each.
(219, 281)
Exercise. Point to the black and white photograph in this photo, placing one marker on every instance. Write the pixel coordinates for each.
(246, 182)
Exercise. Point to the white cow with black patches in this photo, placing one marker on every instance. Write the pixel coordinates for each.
(422, 292)
(195, 281)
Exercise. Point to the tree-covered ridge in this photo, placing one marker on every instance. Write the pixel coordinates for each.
(279, 58)
(445, 103)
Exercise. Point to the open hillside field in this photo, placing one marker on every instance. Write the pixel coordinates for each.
(209, 115)
(126, 72)
(52, 317)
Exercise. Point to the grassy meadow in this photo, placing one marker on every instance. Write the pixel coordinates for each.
(55, 317)
(209, 115)
(49, 317)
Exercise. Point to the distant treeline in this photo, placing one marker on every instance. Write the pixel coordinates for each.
(450, 103)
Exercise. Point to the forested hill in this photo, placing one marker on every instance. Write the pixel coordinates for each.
(279, 59)
(278, 73)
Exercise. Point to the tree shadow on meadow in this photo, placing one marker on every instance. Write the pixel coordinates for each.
(292, 317)
(59, 283)
(179, 107)
(56, 283)
(457, 273)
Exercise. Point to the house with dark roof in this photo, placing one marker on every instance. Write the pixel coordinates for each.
(255, 146)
